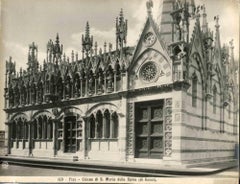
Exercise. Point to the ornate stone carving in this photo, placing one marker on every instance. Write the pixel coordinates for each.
(130, 129)
(168, 127)
(148, 72)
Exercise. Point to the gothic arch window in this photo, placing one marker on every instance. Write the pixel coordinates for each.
(104, 125)
(107, 124)
(92, 126)
(14, 127)
(49, 129)
(25, 130)
(214, 99)
(114, 125)
(194, 90)
(44, 127)
(35, 129)
(99, 124)
(39, 127)
(19, 129)
(229, 107)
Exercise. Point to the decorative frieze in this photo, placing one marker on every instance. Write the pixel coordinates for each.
(168, 127)
(130, 129)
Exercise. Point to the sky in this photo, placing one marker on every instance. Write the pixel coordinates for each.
(27, 21)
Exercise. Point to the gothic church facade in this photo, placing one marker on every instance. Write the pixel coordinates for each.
(170, 99)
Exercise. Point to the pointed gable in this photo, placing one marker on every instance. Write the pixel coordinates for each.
(196, 45)
(151, 64)
(150, 34)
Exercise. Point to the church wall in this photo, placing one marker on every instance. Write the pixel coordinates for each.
(97, 148)
(201, 139)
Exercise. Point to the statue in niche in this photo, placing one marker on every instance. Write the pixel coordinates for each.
(67, 88)
(40, 94)
(17, 96)
(100, 83)
(33, 92)
(91, 83)
(23, 95)
(76, 87)
(110, 82)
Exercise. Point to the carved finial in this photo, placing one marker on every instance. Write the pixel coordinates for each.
(57, 39)
(231, 44)
(110, 47)
(121, 14)
(87, 32)
(216, 18)
(121, 31)
(149, 6)
(87, 41)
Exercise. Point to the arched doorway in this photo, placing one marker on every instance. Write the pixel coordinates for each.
(69, 131)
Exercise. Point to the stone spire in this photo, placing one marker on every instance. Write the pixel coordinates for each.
(87, 40)
(121, 31)
(32, 58)
(217, 39)
(204, 20)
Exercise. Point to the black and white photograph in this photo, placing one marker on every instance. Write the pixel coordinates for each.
(119, 91)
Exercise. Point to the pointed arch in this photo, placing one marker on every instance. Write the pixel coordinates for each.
(194, 89)
(115, 125)
(106, 123)
(214, 98)
(99, 124)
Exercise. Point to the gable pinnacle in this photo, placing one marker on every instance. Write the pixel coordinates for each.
(57, 39)
(87, 32)
(216, 18)
(149, 5)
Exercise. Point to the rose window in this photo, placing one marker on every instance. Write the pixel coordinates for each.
(148, 72)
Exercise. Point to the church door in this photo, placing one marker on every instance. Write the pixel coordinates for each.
(149, 130)
(70, 134)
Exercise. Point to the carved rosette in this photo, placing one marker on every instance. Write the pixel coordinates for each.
(168, 127)
(130, 129)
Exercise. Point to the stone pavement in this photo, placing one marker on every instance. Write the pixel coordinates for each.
(120, 168)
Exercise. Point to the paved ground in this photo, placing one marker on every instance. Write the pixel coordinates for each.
(15, 170)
